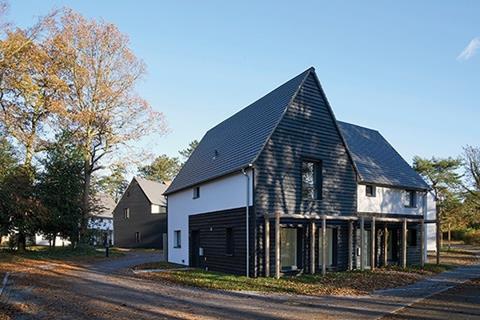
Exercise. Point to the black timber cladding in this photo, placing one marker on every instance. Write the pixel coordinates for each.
(151, 226)
(212, 230)
(236, 142)
(376, 160)
(308, 130)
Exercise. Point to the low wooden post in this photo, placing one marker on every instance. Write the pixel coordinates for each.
(324, 245)
(404, 244)
(362, 243)
(372, 248)
(385, 246)
(312, 247)
(422, 243)
(350, 245)
(277, 246)
(267, 246)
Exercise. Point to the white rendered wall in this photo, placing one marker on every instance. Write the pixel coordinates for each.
(387, 200)
(221, 194)
(431, 227)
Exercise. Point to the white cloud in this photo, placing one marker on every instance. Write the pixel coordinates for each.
(470, 49)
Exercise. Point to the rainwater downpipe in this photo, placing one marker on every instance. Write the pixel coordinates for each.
(247, 220)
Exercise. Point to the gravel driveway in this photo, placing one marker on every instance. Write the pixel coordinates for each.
(105, 291)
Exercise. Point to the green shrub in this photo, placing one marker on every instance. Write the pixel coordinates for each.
(472, 236)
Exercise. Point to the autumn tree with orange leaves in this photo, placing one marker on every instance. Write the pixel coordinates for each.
(75, 75)
(104, 112)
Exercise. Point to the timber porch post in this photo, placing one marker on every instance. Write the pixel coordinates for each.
(350, 245)
(312, 247)
(277, 245)
(374, 239)
(267, 246)
(324, 245)
(422, 243)
(362, 243)
(385, 245)
(404, 244)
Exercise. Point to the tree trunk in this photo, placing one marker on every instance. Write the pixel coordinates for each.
(54, 240)
(21, 242)
(449, 236)
(439, 235)
(85, 200)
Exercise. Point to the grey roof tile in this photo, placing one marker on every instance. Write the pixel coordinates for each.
(153, 190)
(376, 160)
(235, 143)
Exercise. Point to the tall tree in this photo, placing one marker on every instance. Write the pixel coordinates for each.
(8, 163)
(114, 184)
(163, 168)
(442, 175)
(104, 110)
(19, 204)
(187, 152)
(31, 90)
(60, 190)
(471, 164)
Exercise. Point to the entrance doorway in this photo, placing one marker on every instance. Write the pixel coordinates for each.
(195, 248)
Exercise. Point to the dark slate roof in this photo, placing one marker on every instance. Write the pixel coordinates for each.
(376, 161)
(236, 142)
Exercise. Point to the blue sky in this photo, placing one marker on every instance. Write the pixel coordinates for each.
(394, 66)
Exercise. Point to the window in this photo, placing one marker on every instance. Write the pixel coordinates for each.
(288, 248)
(331, 241)
(229, 241)
(177, 239)
(126, 213)
(410, 200)
(196, 192)
(156, 209)
(370, 190)
(412, 237)
(137, 237)
(311, 180)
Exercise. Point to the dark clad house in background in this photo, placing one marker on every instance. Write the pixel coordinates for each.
(140, 217)
(281, 187)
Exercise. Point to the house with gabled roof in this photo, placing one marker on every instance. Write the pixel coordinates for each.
(282, 187)
(140, 217)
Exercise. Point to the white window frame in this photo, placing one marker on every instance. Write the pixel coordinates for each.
(177, 239)
(126, 213)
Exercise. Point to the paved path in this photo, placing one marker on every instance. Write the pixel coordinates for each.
(103, 291)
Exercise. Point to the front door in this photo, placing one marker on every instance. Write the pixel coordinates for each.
(288, 249)
(195, 248)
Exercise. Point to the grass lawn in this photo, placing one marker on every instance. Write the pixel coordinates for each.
(158, 265)
(334, 283)
(57, 253)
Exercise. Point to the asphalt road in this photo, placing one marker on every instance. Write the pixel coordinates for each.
(105, 291)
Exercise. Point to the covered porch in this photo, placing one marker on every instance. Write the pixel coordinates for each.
(317, 244)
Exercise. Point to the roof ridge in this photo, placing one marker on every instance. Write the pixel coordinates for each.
(307, 73)
(271, 91)
(359, 126)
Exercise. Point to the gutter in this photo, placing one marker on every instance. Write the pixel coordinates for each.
(247, 220)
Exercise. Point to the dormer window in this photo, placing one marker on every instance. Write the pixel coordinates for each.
(410, 199)
(196, 192)
(370, 190)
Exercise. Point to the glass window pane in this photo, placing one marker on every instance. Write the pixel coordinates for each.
(288, 248)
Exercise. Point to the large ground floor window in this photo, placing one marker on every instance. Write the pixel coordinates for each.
(288, 248)
(330, 246)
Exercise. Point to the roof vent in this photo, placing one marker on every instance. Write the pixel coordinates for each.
(215, 154)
